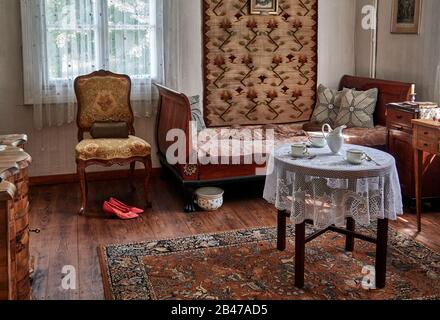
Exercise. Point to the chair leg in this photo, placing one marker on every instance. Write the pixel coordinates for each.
(81, 168)
(148, 169)
(131, 176)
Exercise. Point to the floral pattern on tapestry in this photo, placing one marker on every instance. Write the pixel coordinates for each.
(259, 69)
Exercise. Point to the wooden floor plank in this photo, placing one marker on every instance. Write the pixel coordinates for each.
(66, 238)
(62, 245)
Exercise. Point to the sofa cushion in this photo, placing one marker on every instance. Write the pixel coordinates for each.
(357, 109)
(196, 113)
(312, 126)
(236, 143)
(327, 105)
(369, 137)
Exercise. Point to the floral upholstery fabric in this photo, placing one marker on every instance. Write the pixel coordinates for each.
(109, 149)
(103, 99)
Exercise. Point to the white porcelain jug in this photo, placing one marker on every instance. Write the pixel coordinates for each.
(335, 138)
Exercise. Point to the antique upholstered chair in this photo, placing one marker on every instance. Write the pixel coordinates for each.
(103, 96)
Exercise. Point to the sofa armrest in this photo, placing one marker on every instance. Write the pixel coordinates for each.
(174, 112)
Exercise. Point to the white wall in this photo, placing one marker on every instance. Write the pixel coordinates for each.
(53, 148)
(403, 57)
(410, 58)
(335, 40)
(183, 67)
(363, 42)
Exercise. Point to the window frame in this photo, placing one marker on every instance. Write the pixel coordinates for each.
(102, 54)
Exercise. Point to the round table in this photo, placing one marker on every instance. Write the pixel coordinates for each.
(327, 191)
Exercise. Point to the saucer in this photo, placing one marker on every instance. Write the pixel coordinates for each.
(306, 155)
(316, 146)
(354, 164)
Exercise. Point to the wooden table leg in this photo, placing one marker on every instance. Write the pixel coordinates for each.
(381, 253)
(349, 240)
(418, 167)
(300, 248)
(281, 238)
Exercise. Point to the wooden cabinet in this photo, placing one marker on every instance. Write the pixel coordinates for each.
(426, 139)
(400, 145)
(14, 224)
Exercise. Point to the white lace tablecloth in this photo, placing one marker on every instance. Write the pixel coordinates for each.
(327, 189)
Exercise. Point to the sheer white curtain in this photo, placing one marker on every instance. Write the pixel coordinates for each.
(183, 45)
(66, 38)
(172, 42)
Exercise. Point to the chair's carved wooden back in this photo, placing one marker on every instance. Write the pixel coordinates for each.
(103, 96)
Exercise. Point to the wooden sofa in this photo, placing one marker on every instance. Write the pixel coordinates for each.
(175, 113)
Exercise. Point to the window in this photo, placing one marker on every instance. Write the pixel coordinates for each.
(91, 34)
(66, 38)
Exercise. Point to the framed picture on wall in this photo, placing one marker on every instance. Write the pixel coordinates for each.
(406, 16)
(263, 7)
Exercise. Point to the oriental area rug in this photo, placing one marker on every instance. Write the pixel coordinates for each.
(245, 265)
(259, 69)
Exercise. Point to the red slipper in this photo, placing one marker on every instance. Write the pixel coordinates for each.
(109, 209)
(122, 205)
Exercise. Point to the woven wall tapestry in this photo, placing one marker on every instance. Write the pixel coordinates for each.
(259, 69)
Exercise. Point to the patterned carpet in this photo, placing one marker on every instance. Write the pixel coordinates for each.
(245, 265)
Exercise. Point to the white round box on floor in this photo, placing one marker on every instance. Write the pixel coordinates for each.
(210, 198)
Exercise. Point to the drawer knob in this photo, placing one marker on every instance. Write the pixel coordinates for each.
(399, 117)
(426, 133)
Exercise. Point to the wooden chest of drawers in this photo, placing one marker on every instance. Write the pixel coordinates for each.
(400, 145)
(14, 224)
(426, 140)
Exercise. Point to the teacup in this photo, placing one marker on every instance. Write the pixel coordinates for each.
(299, 150)
(317, 139)
(356, 156)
